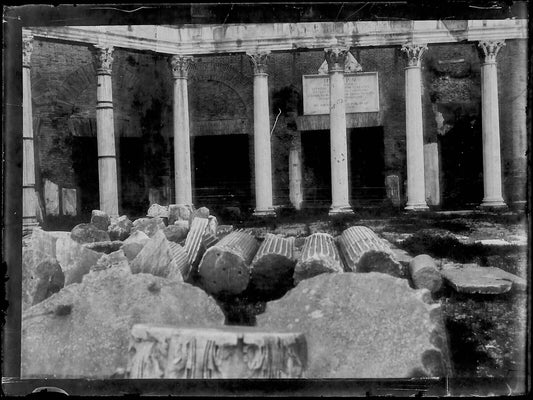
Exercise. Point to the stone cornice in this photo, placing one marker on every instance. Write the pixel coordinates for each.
(212, 39)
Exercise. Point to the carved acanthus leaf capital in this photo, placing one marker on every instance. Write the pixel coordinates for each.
(259, 61)
(414, 52)
(336, 57)
(103, 59)
(27, 49)
(181, 66)
(488, 50)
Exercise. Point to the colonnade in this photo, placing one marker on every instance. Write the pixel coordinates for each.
(336, 58)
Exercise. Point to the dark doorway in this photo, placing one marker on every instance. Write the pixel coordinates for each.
(134, 199)
(85, 165)
(367, 165)
(317, 168)
(462, 164)
(221, 171)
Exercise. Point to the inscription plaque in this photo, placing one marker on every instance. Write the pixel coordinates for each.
(361, 93)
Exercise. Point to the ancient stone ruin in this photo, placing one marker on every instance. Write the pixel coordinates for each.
(154, 297)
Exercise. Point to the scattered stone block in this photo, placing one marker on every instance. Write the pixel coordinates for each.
(472, 278)
(225, 267)
(154, 258)
(176, 233)
(148, 225)
(202, 212)
(43, 245)
(392, 184)
(115, 259)
(425, 274)
(91, 341)
(47, 279)
(51, 198)
(363, 326)
(88, 233)
(105, 247)
(120, 228)
(273, 265)
(194, 240)
(212, 225)
(75, 259)
(100, 219)
(319, 255)
(179, 212)
(157, 210)
(363, 251)
(134, 244)
(70, 201)
(230, 352)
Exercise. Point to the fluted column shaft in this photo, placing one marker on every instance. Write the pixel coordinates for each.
(105, 132)
(180, 66)
(262, 148)
(416, 192)
(29, 197)
(490, 120)
(340, 190)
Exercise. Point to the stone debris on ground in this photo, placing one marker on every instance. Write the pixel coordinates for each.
(75, 259)
(148, 225)
(120, 228)
(114, 259)
(155, 258)
(100, 219)
(181, 260)
(225, 267)
(88, 233)
(202, 212)
(319, 255)
(47, 278)
(363, 326)
(83, 330)
(193, 243)
(472, 278)
(179, 212)
(134, 244)
(176, 233)
(273, 265)
(424, 273)
(157, 210)
(214, 353)
(363, 251)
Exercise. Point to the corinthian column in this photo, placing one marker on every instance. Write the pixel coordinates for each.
(340, 197)
(262, 150)
(416, 192)
(105, 132)
(490, 121)
(29, 197)
(180, 66)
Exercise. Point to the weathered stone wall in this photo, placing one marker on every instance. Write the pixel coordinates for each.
(221, 102)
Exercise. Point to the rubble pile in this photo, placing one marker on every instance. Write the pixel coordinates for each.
(84, 290)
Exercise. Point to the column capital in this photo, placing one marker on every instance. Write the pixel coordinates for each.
(336, 57)
(414, 52)
(180, 66)
(488, 50)
(27, 50)
(103, 59)
(259, 61)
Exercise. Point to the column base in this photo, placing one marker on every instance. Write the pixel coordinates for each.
(340, 210)
(416, 207)
(269, 212)
(495, 204)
